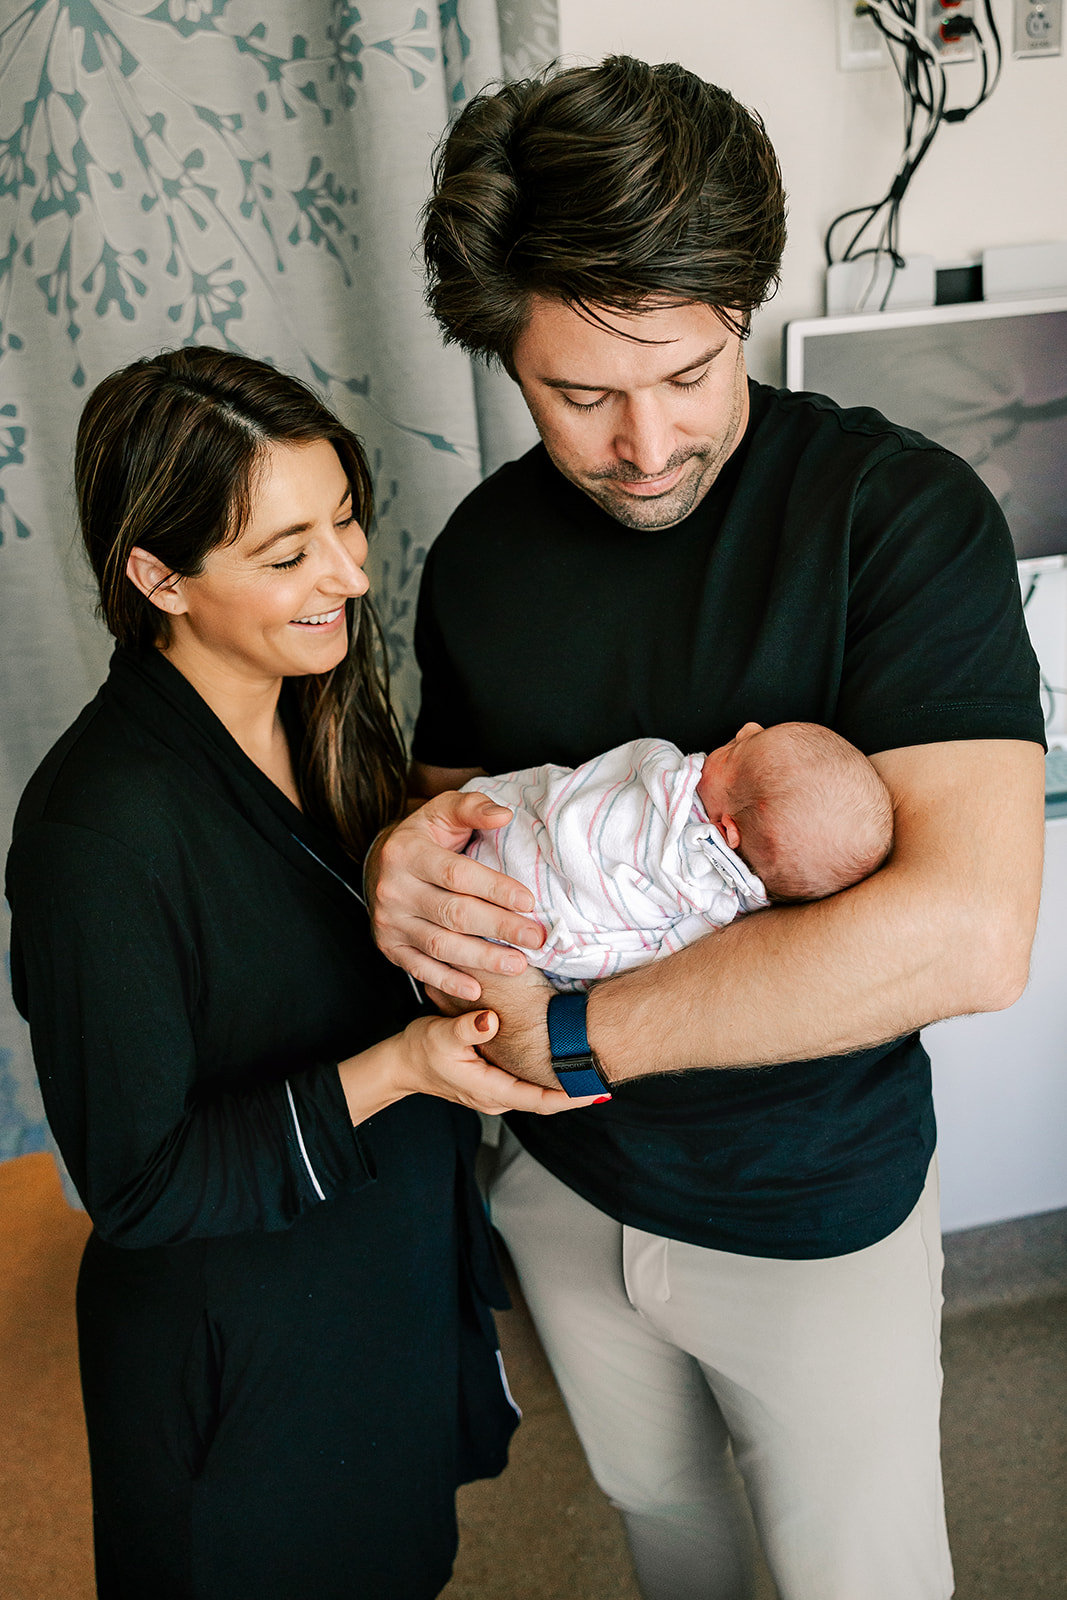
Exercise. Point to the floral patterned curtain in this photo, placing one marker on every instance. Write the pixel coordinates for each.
(250, 176)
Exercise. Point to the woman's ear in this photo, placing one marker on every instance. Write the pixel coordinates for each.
(155, 581)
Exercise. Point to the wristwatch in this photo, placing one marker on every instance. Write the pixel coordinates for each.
(573, 1062)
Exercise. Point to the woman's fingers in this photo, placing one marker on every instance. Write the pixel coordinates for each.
(475, 1027)
(503, 1093)
(498, 1091)
(478, 1083)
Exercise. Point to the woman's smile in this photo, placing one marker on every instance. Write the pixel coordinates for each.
(325, 619)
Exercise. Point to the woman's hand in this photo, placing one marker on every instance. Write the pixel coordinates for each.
(519, 1042)
(433, 908)
(444, 1054)
(439, 1056)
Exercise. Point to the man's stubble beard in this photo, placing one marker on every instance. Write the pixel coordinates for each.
(664, 511)
(660, 511)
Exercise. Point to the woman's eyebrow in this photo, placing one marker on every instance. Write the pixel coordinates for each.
(276, 538)
(296, 527)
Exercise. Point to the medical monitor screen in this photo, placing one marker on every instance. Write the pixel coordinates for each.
(988, 381)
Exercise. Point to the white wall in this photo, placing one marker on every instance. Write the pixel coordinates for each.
(997, 178)
(1000, 1084)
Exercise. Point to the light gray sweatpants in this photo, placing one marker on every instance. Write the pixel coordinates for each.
(820, 1380)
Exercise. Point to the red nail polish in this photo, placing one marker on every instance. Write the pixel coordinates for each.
(599, 1101)
(481, 1022)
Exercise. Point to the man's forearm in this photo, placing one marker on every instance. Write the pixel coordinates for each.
(790, 984)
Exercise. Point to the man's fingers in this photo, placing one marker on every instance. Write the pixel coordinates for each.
(450, 818)
(435, 910)
(445, 1003)
(475, 880)
(433, 976)
(407, 858)
(453, 807)
(476, 955)
(457, 894)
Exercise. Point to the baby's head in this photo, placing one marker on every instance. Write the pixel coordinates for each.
(801, 806)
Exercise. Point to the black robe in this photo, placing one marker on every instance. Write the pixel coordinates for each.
(287, 1360)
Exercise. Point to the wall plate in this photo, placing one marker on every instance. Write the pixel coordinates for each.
(1038, 28)
(860, 46)
(938, 16)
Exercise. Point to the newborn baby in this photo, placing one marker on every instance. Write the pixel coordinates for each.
(642, 850)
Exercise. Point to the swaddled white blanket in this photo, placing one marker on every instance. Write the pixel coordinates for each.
(619, 856)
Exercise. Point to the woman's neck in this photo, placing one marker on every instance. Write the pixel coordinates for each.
(247, 707)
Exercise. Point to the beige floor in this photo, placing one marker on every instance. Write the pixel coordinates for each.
(45, 1540)
(543, 1531)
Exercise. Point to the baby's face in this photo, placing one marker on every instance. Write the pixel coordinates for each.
(719, 773)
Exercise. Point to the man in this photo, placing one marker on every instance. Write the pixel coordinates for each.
(739, 1255)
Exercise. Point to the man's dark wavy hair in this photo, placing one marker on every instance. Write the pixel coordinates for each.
(609, 187)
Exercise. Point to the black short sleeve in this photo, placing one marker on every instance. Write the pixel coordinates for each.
(936, 646)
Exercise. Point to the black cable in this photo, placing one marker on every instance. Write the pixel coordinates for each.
(959, 113)
(994, 33)
(922, 80)
(924, 89)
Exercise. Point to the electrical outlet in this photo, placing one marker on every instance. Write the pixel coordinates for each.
(1038, 28)
(942, 19)
(859, 43)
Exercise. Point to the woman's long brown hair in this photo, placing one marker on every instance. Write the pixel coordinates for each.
(166, 460)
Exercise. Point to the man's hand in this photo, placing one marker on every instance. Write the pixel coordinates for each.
(521, 1043)
(433, 909)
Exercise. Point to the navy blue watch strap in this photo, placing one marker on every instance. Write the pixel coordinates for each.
(566, 1025)
(573, 1061)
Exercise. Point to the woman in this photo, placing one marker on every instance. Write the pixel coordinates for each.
(287, 1361)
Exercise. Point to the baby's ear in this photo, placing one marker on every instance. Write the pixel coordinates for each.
(730, 831)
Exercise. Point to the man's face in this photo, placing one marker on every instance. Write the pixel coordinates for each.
(644, 429)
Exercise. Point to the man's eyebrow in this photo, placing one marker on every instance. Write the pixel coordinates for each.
(290, 532)
(601, 388)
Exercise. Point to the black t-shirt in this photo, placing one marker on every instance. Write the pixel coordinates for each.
(841, 570)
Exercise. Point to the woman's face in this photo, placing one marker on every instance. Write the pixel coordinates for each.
(272, 604)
